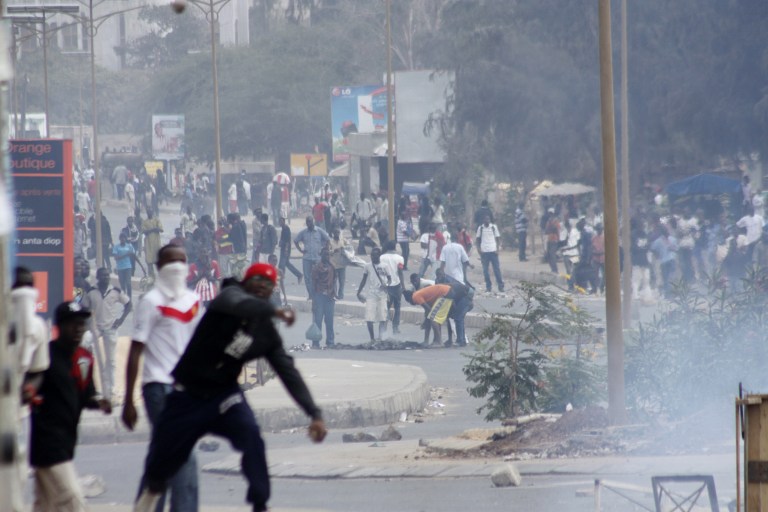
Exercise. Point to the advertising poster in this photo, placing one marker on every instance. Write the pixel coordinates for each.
(360, 109)
(309, 164)
(168, 137)
(43, 203)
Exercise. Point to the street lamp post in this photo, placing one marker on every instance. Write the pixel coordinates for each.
(18, 20)
(390, 149)
(211, 10)
(93, 25)
(44, 10)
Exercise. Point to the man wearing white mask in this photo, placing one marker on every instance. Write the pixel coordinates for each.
(164, 321)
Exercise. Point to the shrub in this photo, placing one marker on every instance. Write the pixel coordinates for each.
(510, 366)
(699, 349)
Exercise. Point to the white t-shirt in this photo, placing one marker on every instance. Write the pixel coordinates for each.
(247, 189)
(431, 250)
(375, 283)
(454, 256)
(104, 308)
(754, 225)
(32, 355)
(437, 218)
(488, 236)
(391, 262)
(164, 326)
(232, 192)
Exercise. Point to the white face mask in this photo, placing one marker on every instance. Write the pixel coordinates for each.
(172, 279)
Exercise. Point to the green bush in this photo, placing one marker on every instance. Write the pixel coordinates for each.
(511, 368)
(698, 350)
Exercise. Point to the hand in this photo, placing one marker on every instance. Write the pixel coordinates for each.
(105, 406)
(28, 393)
(286, 315)
(317, 431)
(129, 415)
(361, 298)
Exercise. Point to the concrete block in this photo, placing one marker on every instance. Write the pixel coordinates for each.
(506, 476)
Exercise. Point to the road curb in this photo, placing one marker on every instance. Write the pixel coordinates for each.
(400, 388)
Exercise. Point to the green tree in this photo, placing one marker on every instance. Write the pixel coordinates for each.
(510, 367)
(170, 39)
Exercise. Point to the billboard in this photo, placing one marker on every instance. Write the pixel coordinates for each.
(360, 109)
(43, 204)
(419, 95)
(168, 137)
(309, 164)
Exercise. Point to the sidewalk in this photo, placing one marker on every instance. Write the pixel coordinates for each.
(350, 393)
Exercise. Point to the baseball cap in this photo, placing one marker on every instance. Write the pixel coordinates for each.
(69, 310)
(264, 270)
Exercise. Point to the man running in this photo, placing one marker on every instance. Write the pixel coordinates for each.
(207, 398)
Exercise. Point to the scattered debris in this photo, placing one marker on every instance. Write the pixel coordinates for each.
(522, 420)
(358, 437)
(92, 485)
(506, 476)
(304, 347)
(391, 434)
(403, 417)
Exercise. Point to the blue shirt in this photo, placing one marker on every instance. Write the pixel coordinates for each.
(313, 242)
(122, 255)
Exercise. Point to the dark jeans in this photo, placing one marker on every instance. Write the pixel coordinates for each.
(285, 262)
(394, 296)
(184, 488)
(186, 418)
(405, 248)
(307, 267)
(426, 263)
(120, 191)
(323, 309)
(341, 274)
(685, 256)
(459, 312)
(491, 258)
(667, 269)
(106, 252)
(124, 277)
(522, 242)
(552, 256)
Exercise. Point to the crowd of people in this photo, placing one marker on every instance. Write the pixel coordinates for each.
(193, 355)
(686, 242)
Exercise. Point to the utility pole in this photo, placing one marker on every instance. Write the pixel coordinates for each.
(616, 400)
(10, 489)
(625, 207)
(390, 149)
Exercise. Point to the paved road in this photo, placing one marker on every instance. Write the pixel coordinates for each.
(396, 476)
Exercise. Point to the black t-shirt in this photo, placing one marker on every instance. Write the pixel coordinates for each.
(66, 390)
(237, 328)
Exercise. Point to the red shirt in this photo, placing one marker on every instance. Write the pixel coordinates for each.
(440, 239)
(318, 212)
(92, 188)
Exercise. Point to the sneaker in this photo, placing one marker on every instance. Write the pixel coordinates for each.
(315, 344)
